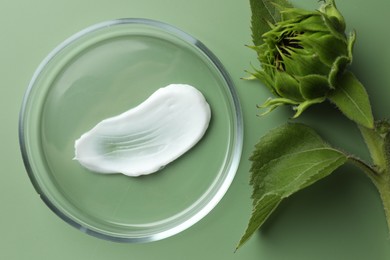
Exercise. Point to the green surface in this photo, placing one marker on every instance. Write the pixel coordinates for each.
(338, 218)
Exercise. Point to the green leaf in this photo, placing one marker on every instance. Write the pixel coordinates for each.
(263, 13)
(286, 160)
(351, 98)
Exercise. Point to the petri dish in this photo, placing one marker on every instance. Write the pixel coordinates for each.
(100, 72)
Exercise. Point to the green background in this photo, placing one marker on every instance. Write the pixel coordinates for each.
(340, 217)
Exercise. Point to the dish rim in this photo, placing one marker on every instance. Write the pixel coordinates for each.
(237, 142)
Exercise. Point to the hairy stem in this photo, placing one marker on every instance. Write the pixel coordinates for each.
(379, 172)
(383, 186)
(377, 147)
(367, 169)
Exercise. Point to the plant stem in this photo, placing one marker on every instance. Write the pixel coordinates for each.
(379, 172)
(377, 147)
(383, 187)
(367, 169)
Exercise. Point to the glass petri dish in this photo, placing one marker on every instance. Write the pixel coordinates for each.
(102, 71)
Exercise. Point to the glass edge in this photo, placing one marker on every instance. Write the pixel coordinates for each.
(237, 143)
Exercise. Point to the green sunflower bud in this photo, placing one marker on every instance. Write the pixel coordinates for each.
(303, 55)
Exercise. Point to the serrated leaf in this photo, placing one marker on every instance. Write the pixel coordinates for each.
(264, 12)
(286, 160)
(352, 99)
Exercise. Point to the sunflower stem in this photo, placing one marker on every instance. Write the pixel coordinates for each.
(379, 172)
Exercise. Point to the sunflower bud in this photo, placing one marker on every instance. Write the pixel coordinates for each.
(303, 55)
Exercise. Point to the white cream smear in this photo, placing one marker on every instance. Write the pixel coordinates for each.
(145, 138)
